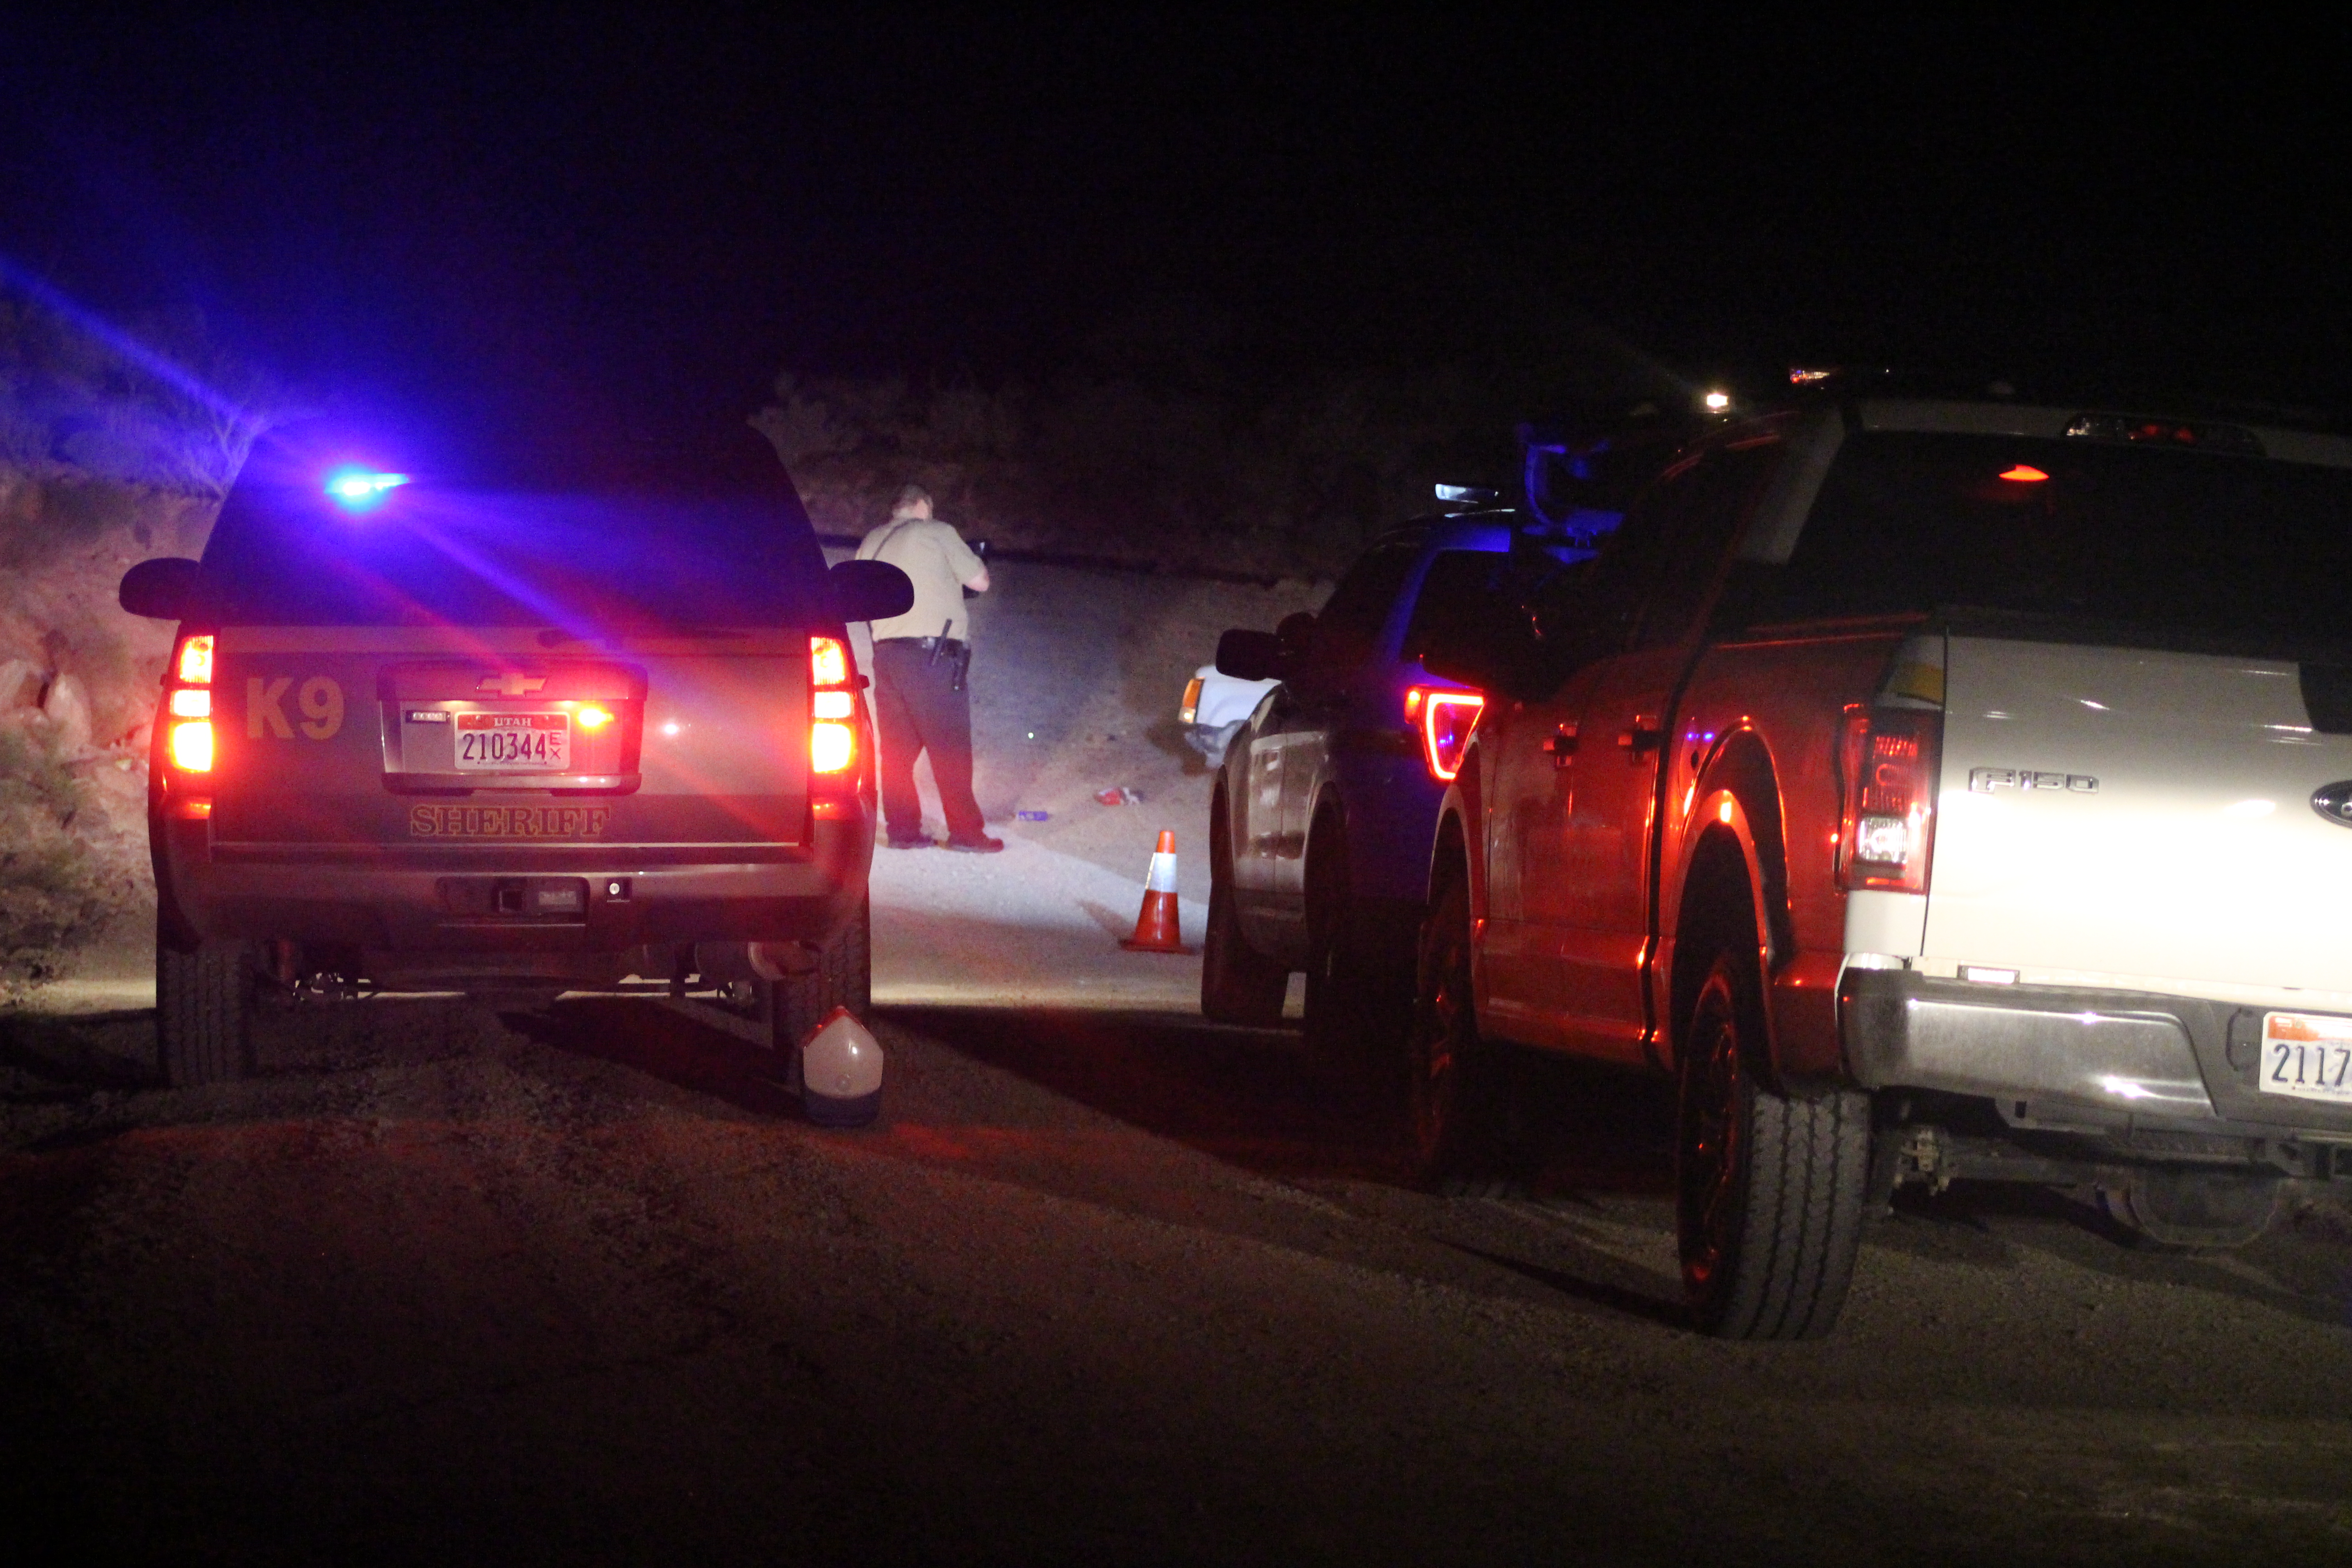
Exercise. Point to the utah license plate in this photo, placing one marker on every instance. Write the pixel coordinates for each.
(514, 743)
(2308, 1055)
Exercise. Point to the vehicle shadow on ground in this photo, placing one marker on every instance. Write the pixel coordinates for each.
(679, 1049)
(2303, 1266)
(1249, 1097)
(51, 1056)
(1257, 1100)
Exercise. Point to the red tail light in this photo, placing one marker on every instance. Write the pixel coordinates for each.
(1446, 718)
(188, 706)
(832, 709)
(1888, 759)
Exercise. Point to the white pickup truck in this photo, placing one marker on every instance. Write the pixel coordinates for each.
(1942, 789)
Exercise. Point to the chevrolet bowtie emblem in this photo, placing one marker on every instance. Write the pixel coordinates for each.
(513, 683)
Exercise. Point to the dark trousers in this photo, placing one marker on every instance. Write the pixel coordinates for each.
(916, 709)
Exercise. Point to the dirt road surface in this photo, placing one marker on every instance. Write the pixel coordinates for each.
(1107, 1285)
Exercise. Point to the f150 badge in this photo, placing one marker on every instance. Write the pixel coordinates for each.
(2334, 801)
(1984, 781)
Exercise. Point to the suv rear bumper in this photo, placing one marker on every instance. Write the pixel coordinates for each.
(2071, 1058)
(432, 901)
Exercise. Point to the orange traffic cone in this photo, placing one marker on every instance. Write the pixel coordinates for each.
(1156, 929)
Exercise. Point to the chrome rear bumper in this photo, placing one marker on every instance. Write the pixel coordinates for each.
(2060, 1058)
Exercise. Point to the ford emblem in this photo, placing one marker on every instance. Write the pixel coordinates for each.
(2334, 801)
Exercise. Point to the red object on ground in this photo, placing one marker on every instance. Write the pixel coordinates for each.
(1156, 926)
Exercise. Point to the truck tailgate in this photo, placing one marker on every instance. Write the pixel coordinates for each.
(442, 738)
(2144, 813)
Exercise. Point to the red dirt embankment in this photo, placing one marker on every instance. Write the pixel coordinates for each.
(77, 684)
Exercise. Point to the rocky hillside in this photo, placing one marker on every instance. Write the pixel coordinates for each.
(78, 685)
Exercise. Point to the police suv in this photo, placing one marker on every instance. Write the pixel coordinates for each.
(501, 728)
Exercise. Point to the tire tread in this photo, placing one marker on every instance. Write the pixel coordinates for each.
(1800, 1227)
(204, 1011)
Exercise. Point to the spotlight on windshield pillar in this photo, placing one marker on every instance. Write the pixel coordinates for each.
(361, 489)
(1717, 402)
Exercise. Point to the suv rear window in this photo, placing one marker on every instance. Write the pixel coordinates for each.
(2188, 542)
(590, 564)
(1348, 629)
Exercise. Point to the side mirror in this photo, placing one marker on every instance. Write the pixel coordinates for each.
(1251, 656)
(163, 589)
(870, 591)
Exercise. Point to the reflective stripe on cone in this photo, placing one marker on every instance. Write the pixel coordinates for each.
(1156, 926)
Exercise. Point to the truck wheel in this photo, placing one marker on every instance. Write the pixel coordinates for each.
(1334, 983)
(1451, 1088)
(203, 1009)
(2194, 1211)
(1769, 1186)
(1238, 983)
(844, 977)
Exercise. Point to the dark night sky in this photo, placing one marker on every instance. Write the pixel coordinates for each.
(621, 215)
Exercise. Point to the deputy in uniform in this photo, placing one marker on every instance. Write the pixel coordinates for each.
(919, 659)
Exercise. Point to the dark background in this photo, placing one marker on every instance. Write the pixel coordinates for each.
(640, 218)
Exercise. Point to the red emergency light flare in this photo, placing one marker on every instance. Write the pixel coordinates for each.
(833, 708)
(188, 743)
(1447, 720)
(2025, 474)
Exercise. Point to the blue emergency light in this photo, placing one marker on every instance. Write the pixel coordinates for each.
(358, 490)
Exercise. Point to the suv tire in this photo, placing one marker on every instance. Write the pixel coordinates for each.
(1334, 982)
(1238, 983)
(1452, 1084)
(1769, 1186)
(843, 977)
(203, 1009)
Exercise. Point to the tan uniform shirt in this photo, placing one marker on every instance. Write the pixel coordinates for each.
(938, 561)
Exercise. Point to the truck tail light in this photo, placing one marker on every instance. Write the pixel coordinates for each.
(188, 706)
(832, 709)
(1887, 761)
(1447, 718)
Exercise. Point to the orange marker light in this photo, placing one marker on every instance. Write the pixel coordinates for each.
(1412, 703)
(192, 745)
(197, 661)
(2025, 474)
(592, 716)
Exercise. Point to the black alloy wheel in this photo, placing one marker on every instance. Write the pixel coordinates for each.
(1769, 1185)
(1449, 1083)
(1334, 986)
(1711, 1150)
